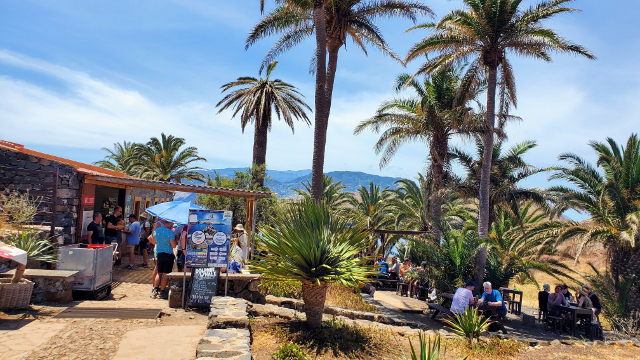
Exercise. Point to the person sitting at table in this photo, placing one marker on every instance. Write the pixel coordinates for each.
(556, 300)
(595, 301)
(404, 268)
(585, 303)
(463, 298)
(493, 298)
(383, 267)
(393, 269)
(567, 295)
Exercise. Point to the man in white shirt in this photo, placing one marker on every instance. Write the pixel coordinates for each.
(463, 298)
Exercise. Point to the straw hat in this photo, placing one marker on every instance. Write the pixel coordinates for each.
(239, 227)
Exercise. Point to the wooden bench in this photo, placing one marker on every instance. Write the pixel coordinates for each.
(439, 309)
(387, 283)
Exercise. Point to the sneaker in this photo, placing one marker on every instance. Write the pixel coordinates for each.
(118, 263)
(129, 267)
(164, 295)
(144, 265)
(155, 293)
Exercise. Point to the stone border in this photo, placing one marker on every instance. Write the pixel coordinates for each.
(228, 335)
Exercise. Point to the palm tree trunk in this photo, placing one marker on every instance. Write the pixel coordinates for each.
(314, 296)
(333, 47)
(485, 175)
(260, 151)
(17, 276)
(320, 130)
(438, 156)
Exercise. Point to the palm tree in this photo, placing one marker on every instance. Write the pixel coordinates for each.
(258, 99)
(610, 197)
(515, 251)
(311, 244)
(332, 193)
(122, 158)
(334, 20)
(161, 159)
(482, 35)
(371, 208)
(507, 170)
(438, 113)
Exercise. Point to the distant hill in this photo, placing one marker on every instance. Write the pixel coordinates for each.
(282, 182)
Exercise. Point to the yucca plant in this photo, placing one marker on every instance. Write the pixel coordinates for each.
(311, 244)
(469, 324)
(426, 350)
(37, 248)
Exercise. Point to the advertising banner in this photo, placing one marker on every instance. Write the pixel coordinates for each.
(208, 235)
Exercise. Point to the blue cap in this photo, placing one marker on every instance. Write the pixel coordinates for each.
(470, 283)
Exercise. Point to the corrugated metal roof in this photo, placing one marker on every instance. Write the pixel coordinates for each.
(171, 186)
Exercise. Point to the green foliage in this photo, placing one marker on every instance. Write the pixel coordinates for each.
(267, 208)
(289, 289)
(290, 352)
(122, 158)
(37, 247)
(17, 209)
(469, 324)
(310, 243)
(332, 192)
(426, 350)
(372, 209)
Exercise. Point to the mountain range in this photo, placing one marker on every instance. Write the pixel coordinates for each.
(282, 182)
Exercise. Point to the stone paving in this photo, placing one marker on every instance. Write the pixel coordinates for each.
(19, 337)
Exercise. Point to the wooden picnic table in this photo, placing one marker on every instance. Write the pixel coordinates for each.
(574, 311)
(444, 305)
(515, 306)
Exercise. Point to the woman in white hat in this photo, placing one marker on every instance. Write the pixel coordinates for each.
(243, 242)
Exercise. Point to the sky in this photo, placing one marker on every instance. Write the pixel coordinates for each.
(77, 76)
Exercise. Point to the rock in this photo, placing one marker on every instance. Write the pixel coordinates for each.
(555, 342)
(254, 285)
(44, 162)
(228, 312)
(543, 343)
(598, 343)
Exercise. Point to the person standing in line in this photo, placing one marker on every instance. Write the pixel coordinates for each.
(113, 225)
(463, 298)
(145, 228)
(164, 240)
(133, 239)
(243, 241)
(95, 234)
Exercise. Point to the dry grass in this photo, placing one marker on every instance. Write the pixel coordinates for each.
(487, 348)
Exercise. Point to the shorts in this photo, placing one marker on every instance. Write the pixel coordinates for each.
(143, 244)
(164, 262)
(100, 241)
(110, 239)
(128, 248)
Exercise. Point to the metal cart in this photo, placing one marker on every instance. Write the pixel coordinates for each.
(94, 264)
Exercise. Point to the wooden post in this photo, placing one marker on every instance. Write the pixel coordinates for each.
(252, 205)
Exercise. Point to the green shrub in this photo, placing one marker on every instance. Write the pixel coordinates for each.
(426, 350)
(468, 324)
(290, 352)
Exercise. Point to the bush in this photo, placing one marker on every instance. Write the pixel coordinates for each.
(468, 324)
(290, 352)
(426, 351)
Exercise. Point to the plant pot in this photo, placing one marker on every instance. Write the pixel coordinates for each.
(15, 296)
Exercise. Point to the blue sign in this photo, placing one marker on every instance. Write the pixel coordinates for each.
(208, 235)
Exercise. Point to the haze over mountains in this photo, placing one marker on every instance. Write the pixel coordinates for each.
(282, 182)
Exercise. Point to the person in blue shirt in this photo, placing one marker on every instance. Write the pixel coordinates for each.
(133, 238)
(493, 298)
(383, 266)
(164, 240)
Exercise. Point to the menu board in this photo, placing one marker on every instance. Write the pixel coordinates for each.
(204, 286)
(208, 236)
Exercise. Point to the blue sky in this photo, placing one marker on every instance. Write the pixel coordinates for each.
(76, 76)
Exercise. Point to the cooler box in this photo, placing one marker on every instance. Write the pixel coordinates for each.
(94, 264)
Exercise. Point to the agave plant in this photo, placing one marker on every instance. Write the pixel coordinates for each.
(311, 244)
(469, 324)
(427, 350)
(37, 248)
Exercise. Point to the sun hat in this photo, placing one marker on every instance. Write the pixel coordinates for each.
(239, 227)
(470, 283)
(584, 292)
(546, 286)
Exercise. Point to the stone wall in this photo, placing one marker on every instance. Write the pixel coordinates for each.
(68, 187)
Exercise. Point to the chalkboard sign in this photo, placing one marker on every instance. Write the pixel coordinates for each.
(204, 285)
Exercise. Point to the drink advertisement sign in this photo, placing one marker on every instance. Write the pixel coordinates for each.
(208, 235)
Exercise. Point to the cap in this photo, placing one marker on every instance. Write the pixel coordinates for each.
(470, 283)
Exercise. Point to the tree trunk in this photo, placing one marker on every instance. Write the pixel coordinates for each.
(17, 276)
(314, 296)
(333, 47)
(438, 149)
(260, 150)
(320, 130)
(485, 175)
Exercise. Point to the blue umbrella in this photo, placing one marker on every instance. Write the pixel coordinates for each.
(174, 211)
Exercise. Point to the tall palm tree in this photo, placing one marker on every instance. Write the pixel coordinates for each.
(122, 158)
(334, 20)
(610, 196)
(507, 171)
(258, 99)
(483, 34)
(311, 244)
(332, 193)
(161, 159)
(438, 112)
(371, 208)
